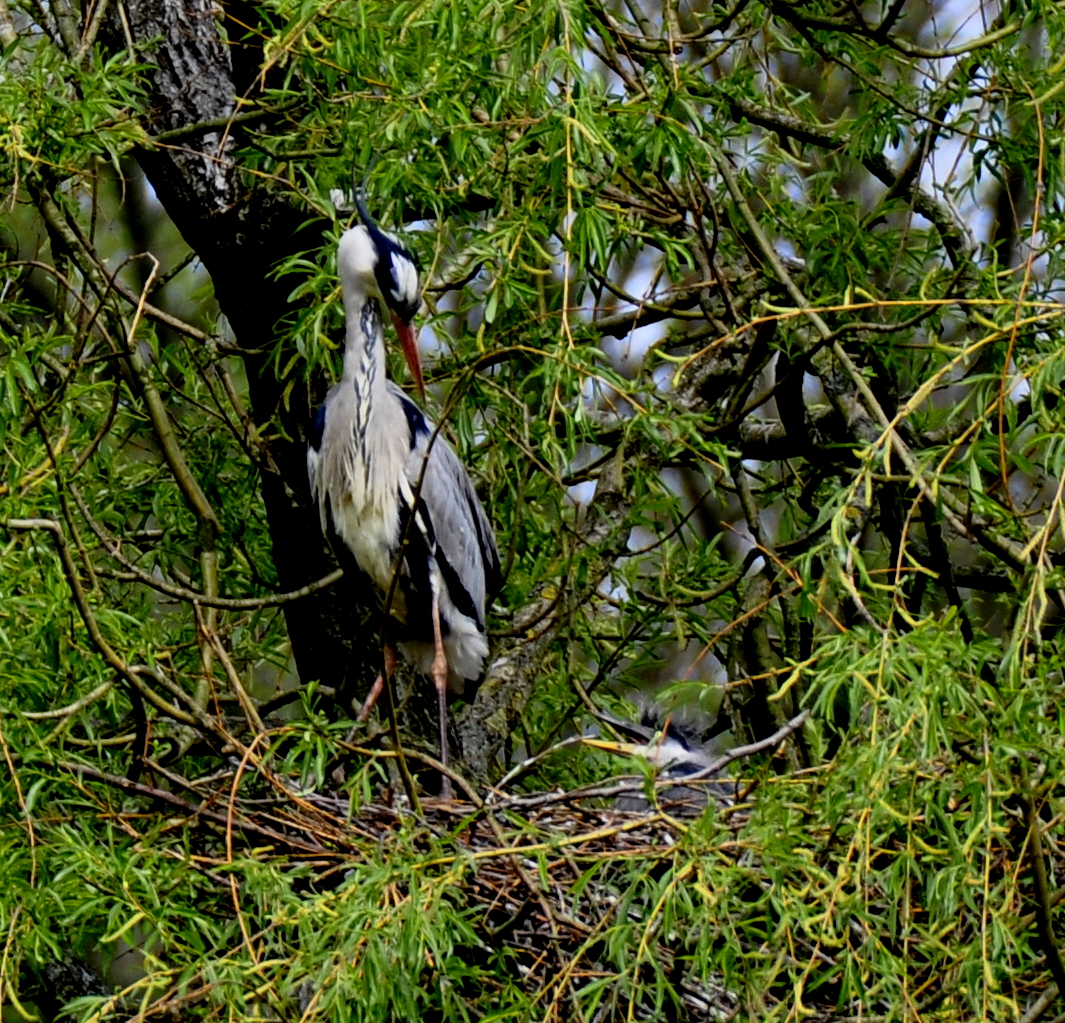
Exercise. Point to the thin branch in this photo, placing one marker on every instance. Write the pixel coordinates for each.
(92, 30)
(97, 274)
(70, 572)
(192, 131)
(955, 238)
(195, 596)
(1011, 552)
(1042, 891)
(705, 774)
(71, 708)
(203, 810)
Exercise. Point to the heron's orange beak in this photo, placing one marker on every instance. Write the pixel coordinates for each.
(410, 352)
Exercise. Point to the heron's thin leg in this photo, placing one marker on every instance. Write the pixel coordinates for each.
(379, 684)
(439, 673)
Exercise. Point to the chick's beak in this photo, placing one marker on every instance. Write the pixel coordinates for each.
(410, 352)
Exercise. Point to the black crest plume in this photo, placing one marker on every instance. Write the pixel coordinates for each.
(389, 250)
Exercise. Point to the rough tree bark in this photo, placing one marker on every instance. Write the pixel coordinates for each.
(241, 230)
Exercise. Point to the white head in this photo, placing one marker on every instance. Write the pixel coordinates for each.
(375, 264)
(356, 259)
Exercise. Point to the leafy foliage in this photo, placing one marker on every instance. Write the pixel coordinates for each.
(746, 320)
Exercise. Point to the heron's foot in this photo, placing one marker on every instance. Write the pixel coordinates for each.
(371, 701)
(439, 673)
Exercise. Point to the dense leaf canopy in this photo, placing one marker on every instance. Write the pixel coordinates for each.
(746, 319)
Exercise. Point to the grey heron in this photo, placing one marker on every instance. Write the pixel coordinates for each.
(679, 745)
(391, 492)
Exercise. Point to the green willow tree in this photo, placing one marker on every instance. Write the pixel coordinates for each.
(746, 318)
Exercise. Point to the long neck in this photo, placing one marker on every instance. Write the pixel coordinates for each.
(364, 348)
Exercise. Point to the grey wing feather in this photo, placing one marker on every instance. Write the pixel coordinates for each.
(459, 523)
(315, 464)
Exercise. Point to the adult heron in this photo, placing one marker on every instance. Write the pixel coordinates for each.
(390, 490)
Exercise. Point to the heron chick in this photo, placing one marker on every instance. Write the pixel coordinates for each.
(391, 492)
